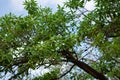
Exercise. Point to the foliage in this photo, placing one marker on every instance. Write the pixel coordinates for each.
(76, 36)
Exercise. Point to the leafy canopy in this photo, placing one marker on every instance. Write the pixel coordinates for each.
(89, 40)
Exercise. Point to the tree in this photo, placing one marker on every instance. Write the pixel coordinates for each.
(44, 38)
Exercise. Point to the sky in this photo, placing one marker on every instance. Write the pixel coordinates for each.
(16, 6)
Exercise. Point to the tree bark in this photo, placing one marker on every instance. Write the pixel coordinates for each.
(89, 70)
(83, 66)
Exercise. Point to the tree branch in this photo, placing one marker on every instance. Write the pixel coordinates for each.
(83, 66)
(66, 72)
(14, 76)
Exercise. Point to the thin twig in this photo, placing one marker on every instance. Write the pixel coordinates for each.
(66, 72)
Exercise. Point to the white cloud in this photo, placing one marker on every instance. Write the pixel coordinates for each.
(18, 4)
(38, 72)
(50, 2)
(90, 5)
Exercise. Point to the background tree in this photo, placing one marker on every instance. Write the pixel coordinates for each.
(86, 41)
